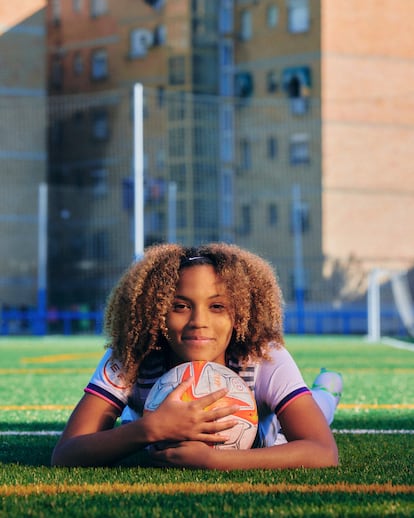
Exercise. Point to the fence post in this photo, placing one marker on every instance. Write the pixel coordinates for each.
(40, 323)
(138, 145)
(299, 273)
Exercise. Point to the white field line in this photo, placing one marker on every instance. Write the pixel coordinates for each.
(397, 344)
(356, 431)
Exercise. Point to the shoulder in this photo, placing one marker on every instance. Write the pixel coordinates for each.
(278, 379)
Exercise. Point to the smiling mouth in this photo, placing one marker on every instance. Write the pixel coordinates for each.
(196, 339)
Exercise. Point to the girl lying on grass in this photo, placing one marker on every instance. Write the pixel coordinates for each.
(217, 303)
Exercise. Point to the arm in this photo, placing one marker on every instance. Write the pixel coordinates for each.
(310, 445)
(91, 439)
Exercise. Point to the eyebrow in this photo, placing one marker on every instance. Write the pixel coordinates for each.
(217, 295)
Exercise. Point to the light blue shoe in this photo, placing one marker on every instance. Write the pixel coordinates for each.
(330, 381)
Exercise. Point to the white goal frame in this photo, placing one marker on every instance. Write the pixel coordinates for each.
(402, 298)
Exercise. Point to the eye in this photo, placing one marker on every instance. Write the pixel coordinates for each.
(218, 306)
(179, 307)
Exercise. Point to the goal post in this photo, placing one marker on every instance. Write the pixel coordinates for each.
(374, 306)
(401, 302)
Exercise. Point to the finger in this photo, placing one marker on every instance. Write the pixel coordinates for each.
(178, 392)
(222, 411)
(209, 399)
(214, 438)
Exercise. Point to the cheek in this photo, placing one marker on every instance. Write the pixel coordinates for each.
(173, 323)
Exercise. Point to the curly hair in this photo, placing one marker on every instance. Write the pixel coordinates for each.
(135, 317)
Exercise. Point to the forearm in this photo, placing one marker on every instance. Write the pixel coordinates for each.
(101, 448)
(301, 453)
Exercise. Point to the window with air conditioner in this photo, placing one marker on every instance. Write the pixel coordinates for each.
(140, 40)
(297, 86)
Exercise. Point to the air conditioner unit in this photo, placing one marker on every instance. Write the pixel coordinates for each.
(141, 40)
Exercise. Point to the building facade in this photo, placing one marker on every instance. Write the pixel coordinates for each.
(274, 124)
(23, 148)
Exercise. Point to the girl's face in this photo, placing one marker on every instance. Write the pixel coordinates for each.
(200, 322)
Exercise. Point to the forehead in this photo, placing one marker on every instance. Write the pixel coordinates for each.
(201, 276)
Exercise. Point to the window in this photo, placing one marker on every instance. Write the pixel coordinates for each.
(176, 143)
(77, 6)
(227, 133)
(178, 175)
(160, 35)
(272, 214)
(246, 220)
(100, 125)
(160, 96)
(156, 4)
(245, 154)
(176, 70)
(177, 105)
(77, 64)
(140, 40)
(57, 73)
(226, 16)
(205, 71)
(226, 60)
(272, 16)
(99, 182)
(271, 82)
(98, 8)
(56, 12)
(297, 84)
(272, 148)
(246, 26)
(300, 218)
(298, 16)
(243, 84)
(299, 151)
(99, 69)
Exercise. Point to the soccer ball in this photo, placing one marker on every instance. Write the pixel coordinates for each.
(209, 377)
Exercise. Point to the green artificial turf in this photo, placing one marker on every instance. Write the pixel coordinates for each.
(41, 379)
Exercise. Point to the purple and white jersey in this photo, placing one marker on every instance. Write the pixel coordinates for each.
(275, 383)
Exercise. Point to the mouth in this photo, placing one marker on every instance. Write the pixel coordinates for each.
(196, 339)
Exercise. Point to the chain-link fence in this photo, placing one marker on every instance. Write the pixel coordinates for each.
(244, 171)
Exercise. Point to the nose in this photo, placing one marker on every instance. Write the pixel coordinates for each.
(198, 317)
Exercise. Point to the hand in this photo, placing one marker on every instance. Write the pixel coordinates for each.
(176, 420)
(188, 454)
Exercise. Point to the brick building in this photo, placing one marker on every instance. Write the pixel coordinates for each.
(23, 148)
(285, 126)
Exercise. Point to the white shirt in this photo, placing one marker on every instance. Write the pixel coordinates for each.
(275, 383)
